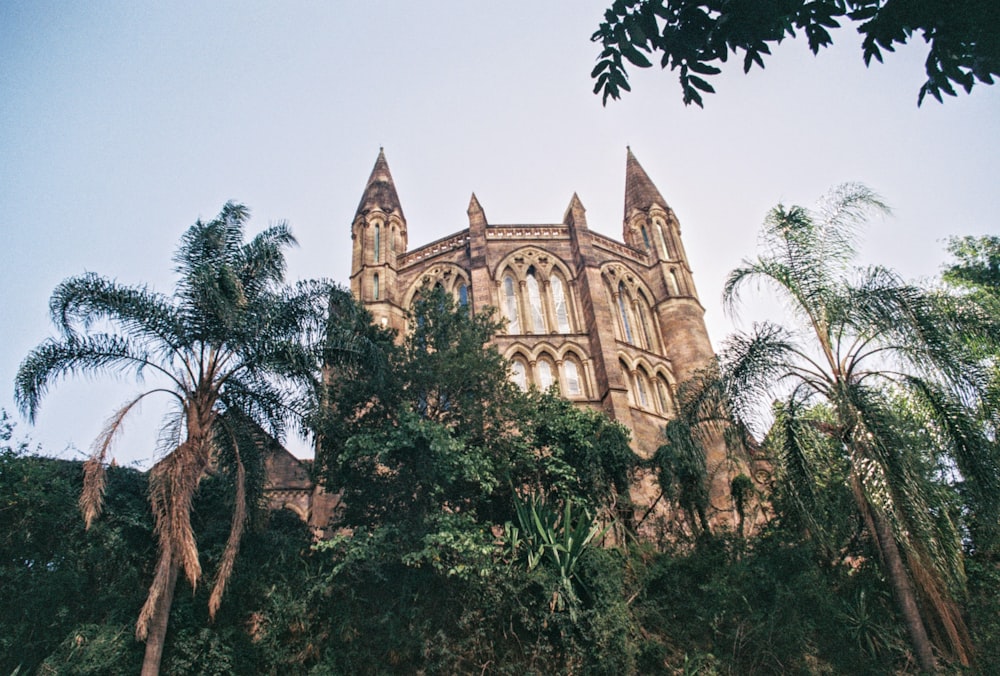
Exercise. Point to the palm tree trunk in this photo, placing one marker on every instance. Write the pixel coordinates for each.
(158, 627)
(902, 590)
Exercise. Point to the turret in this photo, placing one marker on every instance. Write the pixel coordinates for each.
(379, 236)
(650, 225)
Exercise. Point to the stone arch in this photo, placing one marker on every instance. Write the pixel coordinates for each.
(544, 262)
(448, 275)
(520, 371)
(543, 266)
(630, 296)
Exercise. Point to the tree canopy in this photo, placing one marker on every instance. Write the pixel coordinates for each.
(696, 36)
(220, 348)
(876, 368)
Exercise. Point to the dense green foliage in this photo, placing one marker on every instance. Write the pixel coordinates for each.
(696, 35)
(71, 595)
(489, 530)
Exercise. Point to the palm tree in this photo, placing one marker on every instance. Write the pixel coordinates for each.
(863, 341)
(220, 347)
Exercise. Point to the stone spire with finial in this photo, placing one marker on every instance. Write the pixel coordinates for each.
(640, 193)
(380, 191)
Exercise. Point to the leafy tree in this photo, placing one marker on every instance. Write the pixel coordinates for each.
(696, 35)
(865, 340)
(974, 279)
(57, 578)
(217, 348)
(430, 455)
(443, 428)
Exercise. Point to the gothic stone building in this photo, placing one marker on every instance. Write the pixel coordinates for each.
(616, 325)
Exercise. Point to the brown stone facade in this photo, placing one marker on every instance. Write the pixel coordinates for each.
(615, 325)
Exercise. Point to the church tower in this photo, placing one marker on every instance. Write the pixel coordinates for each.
(650, 225)
(379, 238)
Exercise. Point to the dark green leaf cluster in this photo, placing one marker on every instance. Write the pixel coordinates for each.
(694, 35)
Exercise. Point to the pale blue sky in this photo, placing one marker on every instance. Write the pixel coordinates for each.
(123, 122)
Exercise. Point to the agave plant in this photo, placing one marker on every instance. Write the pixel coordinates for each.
(548, 534)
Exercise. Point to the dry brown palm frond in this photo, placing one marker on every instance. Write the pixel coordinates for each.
(94, 477)
(946, 611)
(173, 482)
(161, 581)
(235, 535)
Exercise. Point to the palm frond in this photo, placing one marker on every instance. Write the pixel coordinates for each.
(752, 366)
(841, 211)
(976, 455)
(141, 313)
(261, 261)
(92, 496)
(238, 523)
(79, 355)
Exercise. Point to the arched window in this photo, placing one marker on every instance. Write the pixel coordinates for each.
(559, 303)
(644, 323)
(510, 306)
(392, 240)
(463, 294)
(663, 243)
(640, 388)
(519, 374)
(663, 390)
(623, 310)
(626, 372)
(378, 240)
(645, 237)
(544, 374)
(535, 303)
(375, 289)
(674, 284)
(571, 374)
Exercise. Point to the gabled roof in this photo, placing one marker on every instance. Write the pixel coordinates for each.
(640, 193)
(380, 191)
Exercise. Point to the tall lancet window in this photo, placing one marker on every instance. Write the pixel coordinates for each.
(664, 391)
(644, 323)
(375, 289)
(626, 325)
(544, 375)
(645, 237)
(559, 302)
(463, 295)
(510, 306)
(378, 241)
(572, 374)
(640, 388)
(663, 243)
(535, 303)
(519, 374)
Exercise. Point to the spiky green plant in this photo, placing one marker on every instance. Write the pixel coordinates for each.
(864, 339)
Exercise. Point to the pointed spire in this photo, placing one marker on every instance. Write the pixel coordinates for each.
(640, 193)
(576, 214)
(475, 207)
(380, 191)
